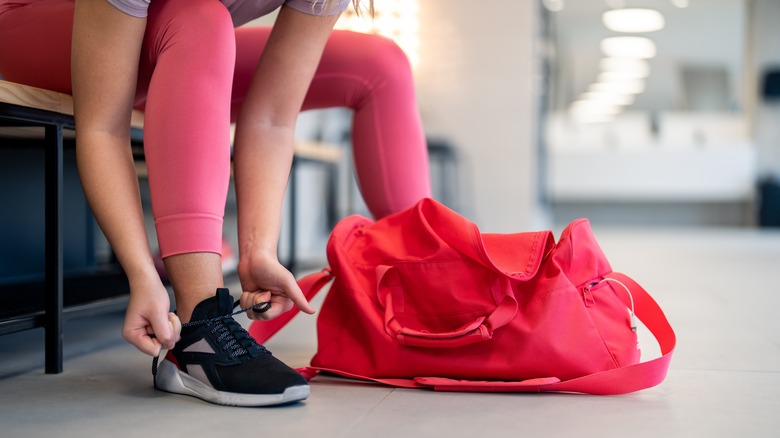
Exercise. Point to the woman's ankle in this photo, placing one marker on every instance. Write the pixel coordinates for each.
(194, 278)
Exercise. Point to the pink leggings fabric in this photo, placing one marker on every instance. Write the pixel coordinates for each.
(194, 72)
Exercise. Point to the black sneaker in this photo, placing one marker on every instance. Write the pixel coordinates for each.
(216, 360)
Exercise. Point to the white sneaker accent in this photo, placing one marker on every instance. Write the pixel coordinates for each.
(170, 379)
(201, 346)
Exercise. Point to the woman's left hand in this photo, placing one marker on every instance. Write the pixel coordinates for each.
(265, 280)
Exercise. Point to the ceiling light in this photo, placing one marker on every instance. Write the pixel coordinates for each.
(628, 47)
(584, 118)
(630, 67)
(629, 86)
(609, 98)
(609, 76)
(635, 20)
(594, 107)
(681, 3)
(587, 111)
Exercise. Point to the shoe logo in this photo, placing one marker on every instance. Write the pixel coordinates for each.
(202, 346)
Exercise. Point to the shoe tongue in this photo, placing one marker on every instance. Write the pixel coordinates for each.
(219, 305)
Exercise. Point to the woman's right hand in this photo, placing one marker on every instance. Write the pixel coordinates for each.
(149, 324)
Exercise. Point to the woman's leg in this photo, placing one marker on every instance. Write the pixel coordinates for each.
(372, 76)
(187, 63)
(192, 56)
(35, 44)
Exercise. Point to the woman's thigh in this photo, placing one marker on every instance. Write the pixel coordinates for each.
(35, 41)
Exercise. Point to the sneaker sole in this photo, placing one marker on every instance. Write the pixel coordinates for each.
(170, 379)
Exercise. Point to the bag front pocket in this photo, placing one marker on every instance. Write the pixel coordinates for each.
(443, 304)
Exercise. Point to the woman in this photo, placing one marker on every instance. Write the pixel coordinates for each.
(185, 65)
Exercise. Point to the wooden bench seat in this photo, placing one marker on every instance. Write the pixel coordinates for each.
(47, 100)
(29, 112)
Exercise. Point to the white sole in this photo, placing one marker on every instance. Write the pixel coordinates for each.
(170, 379)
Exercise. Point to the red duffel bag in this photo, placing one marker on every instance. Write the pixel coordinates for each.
(423, 299)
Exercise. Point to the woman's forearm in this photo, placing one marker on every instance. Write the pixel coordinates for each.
(106, 48)
(266, 126)
(262, 168)
(113, 195)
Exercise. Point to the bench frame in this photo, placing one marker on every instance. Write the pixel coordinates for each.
(54, 124)
(22, 106)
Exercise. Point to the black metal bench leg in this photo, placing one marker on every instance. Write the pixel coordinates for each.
(53, 256)
(293, 245)
(332, 213)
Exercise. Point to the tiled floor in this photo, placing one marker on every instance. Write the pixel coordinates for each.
(719, 288)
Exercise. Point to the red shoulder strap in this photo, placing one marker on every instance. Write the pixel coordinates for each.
(635, 377)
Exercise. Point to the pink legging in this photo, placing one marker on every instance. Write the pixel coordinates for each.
(190, 58)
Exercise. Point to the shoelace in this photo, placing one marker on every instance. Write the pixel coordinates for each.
(235, 343)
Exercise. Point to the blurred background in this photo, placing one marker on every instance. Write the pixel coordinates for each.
(667, 107)
(633, 113)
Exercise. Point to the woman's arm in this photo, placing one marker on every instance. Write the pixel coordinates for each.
(106, 50)
(263, 155)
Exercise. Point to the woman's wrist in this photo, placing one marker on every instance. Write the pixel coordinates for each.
(141, 272)
(257, 244)
(257, 255)
(254, 254)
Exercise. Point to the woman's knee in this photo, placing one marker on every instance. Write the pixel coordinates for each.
(186, 38)
(379, 57)
(204, 25)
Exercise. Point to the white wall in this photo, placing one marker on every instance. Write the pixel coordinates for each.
(475, 88)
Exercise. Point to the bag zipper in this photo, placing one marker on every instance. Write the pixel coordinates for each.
(587, 296)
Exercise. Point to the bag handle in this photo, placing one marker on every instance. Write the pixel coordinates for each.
(481, 329)
(610, 382)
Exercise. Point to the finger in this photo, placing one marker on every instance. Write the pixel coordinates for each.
(143, 341)
(165, 331)
(282, 302)
(175, 323)
(278, 305)
(250, 299)
(261, 307)
(295, 294)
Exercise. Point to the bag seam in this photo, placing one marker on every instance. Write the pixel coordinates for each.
(615, 361)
